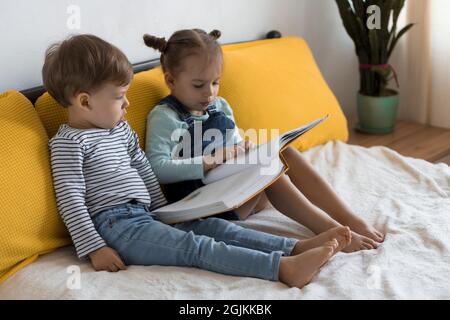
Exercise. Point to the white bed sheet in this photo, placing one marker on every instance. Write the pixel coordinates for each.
(408, 199)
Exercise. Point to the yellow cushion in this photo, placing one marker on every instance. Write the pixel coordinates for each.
(29, 221)
(276, 84)
(147, 89)
(270, 84)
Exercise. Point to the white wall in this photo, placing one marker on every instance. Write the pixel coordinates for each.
(28, 27)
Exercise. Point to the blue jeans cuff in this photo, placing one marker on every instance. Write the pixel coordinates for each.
(276, 264)
(289, 247)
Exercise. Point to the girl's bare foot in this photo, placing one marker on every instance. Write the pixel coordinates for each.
(360, 242)
(368, 231)
(362, 228)
(338, 233)
(297, 271)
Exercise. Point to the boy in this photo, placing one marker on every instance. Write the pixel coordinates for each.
(90, 166)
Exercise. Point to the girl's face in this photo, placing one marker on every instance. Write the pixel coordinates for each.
(197, 85)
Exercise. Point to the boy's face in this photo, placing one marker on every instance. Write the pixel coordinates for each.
(104, 108)
(197, 85)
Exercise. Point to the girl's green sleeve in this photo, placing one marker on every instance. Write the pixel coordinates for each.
(162, 122)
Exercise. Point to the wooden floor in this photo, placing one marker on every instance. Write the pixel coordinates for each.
(409, 139)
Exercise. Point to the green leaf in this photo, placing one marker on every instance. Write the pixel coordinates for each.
(374, 47)
(359, 8)
(400, 34)
(350, 24)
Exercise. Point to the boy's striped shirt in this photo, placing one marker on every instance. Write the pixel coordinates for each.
(96, 169)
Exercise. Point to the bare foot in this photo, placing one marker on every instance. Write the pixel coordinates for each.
(360, 242)
(297, 271)
(341, 234)
(361, 227)
(368, 231)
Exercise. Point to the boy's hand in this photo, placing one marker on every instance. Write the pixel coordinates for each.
(106, 258)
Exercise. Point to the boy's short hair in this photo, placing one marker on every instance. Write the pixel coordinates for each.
(83, 63)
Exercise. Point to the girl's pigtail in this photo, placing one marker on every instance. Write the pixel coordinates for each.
(215, 34)
(156, 43)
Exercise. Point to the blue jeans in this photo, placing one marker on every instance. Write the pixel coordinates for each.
(213, 244)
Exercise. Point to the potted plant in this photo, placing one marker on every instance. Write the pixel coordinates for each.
(372, 25)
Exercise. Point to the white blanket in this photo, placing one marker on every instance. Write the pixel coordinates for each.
(406, 198)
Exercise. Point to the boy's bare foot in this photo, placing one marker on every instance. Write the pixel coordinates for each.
(360, 242)
(297, 271)
(341, 234)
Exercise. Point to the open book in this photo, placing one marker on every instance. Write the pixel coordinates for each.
(236, 181)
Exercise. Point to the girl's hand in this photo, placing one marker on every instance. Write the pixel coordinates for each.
(220, 156)
(106, 258)
(247, 145)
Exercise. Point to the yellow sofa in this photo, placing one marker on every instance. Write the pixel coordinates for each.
(271, 84)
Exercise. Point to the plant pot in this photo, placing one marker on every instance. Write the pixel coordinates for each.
(377, 115)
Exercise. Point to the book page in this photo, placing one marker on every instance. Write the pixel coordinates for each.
(261, 155)
(223, 195)
(256, 180)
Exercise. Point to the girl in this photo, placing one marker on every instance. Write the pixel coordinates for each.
(192, 64)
